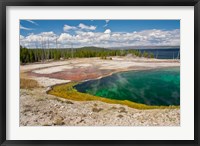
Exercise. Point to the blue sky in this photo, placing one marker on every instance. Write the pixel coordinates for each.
(103, 33)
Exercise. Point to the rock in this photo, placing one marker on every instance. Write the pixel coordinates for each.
(120, 116)
(97, 110)
(58, 120)
(122, 110)
(69, 102)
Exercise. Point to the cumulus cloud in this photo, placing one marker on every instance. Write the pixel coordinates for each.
(83, 26)
(107, 31)
(39, 40)
(67, 28)
(48, 34)
(153, 37)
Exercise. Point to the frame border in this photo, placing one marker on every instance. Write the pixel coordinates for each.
(5, 3)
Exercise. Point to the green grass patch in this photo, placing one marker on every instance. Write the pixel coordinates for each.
(69, 92)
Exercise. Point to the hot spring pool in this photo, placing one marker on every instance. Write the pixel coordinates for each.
(150, 87)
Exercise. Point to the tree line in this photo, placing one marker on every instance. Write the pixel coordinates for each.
(39, 55)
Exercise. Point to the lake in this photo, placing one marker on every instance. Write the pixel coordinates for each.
(172, 53)
(150, 87)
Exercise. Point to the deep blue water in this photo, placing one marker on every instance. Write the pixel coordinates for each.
(172, 53)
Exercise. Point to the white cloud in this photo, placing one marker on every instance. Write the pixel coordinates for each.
(48, 34)
(83, 26)
(33, 22)
(25, 28)
(65, 37)
(67, 28)
(107, 31)
(151, 37)
(39, 40)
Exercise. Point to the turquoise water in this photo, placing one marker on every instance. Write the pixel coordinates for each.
(151, 87)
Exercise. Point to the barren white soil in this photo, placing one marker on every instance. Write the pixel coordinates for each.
(47, 82)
